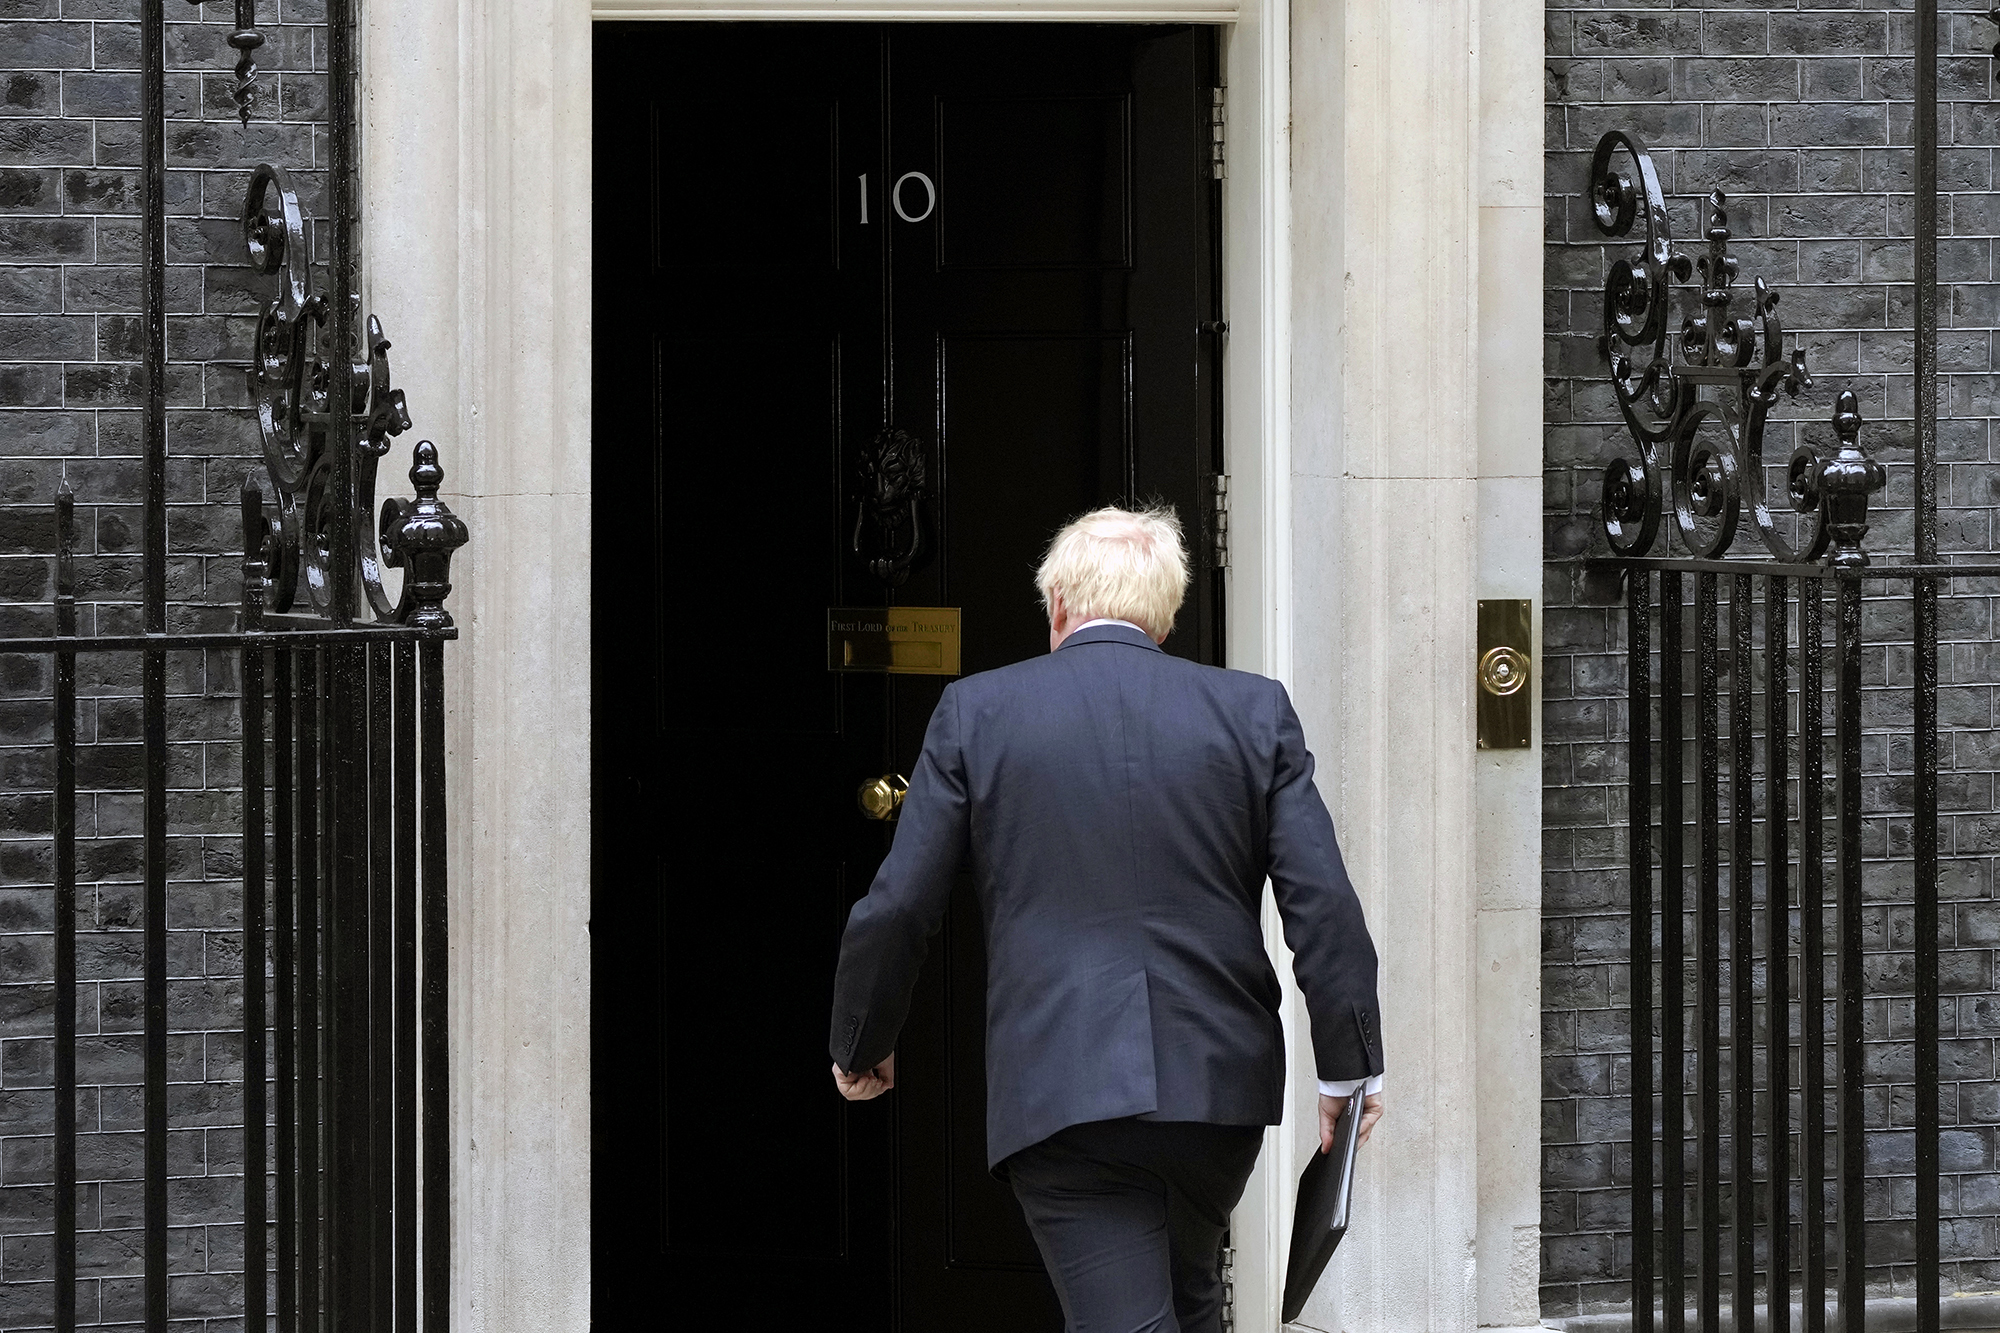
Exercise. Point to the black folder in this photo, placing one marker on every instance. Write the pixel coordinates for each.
(1319, 1219)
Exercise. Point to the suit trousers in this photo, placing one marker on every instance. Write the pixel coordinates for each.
(1129, 1216)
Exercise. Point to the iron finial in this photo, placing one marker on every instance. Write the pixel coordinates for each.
(256, 541)
(419, 536)
(245, 39)
(1847, 480)
(65, 558)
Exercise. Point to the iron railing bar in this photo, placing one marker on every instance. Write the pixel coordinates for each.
(229, 641)
(1708, 945)
(299, 621)
(378, 828)
(1924, 115)
(1742, 947)
(1673, 961)
(405, 837)
(332, 830)
(1638, 660)
(311, 815)
(153, 242)
(254, 1073)
(350, 1250)
(436, 1216)
(1821, 572)
(1777, 990)
(1682, 564)
(341, 279)
(65, 919)
(1812, 956)
(284, 892)
(1849, 1069)
(153, 230)
(1926, 1091)
(154, 951)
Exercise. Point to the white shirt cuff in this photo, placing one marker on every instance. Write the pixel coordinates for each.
(1368, 1087)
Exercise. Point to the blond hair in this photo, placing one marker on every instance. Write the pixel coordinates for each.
(1118, 564)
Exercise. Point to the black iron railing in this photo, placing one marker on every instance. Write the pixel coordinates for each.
(1787, 846)
(345, 1203)
(1777, 1170)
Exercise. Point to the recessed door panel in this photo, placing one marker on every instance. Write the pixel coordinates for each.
(748, 182)
(726, 405)
(1035, 182)
(1036, 430)
(742, 1070)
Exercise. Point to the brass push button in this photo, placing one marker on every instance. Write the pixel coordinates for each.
(881, 798)
(1503, 670)
(1505, 703)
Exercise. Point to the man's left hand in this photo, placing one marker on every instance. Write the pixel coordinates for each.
(869, 1084)
(1330, 1110)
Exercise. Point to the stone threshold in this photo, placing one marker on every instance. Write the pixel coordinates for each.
(1975, 1312)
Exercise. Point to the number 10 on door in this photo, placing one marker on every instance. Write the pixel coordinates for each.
(896, 196)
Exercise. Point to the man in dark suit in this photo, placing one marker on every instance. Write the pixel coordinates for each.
(1120, 811)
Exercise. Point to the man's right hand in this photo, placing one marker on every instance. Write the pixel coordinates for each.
(1330, 1109)
(869, 1084)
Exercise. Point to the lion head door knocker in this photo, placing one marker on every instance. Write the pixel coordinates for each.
(889, 520)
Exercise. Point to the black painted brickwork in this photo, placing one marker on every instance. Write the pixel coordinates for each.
(1800, 112)
(69, 390)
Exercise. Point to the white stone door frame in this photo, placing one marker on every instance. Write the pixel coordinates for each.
(1406, 442)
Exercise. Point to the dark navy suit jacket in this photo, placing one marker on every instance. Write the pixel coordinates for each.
(1120, 810)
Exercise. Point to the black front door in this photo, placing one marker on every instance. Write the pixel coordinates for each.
(877, 308)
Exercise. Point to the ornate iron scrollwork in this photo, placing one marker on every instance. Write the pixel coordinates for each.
(889, 519)
(1702, 458)
(295, 383)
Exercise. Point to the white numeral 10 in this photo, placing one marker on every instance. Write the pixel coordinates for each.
(896, 196)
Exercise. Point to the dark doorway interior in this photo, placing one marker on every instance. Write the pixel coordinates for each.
(1001, 241)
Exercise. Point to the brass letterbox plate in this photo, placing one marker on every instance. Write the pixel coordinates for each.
(1503, 675)
(898, 640)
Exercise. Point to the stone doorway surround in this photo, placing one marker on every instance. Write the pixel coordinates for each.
(1383, 413)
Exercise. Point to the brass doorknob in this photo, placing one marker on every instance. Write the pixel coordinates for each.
(881, 798)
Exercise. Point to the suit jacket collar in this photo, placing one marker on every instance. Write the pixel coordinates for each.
(1132, 638)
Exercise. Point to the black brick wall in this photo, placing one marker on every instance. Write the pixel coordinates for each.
(69, 390)
(1801, 113)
